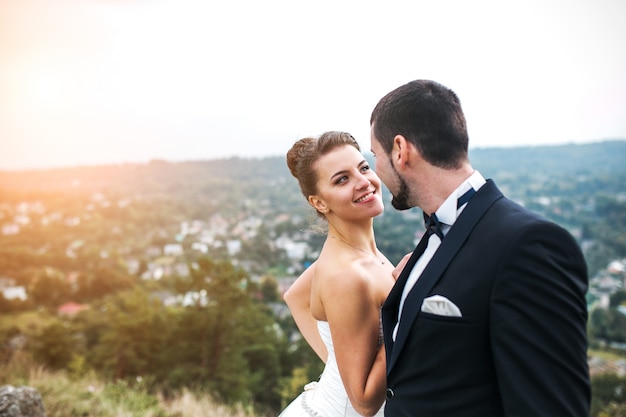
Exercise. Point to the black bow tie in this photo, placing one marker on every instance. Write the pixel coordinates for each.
(433, 226)
(432, 223)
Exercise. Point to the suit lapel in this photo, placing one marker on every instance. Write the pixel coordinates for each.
(452, 243)
(392, 303)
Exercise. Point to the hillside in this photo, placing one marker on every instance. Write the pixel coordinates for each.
(156, 253)
(600, 158)
(561, 182)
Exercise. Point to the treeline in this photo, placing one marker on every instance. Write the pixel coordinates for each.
(224, 340)
(609, 324)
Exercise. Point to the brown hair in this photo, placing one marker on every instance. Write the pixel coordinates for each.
(304, 154)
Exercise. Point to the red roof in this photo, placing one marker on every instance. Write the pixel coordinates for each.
(71, 308)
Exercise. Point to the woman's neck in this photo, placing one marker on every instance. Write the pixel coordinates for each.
(361, 236)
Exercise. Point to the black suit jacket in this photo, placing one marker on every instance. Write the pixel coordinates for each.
(520, 347)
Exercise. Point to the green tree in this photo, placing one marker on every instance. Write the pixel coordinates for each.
(268, 286)
(49, 288)
(226, 342)
(617, 299)
(608, 324)
(617, 327)
(53, 345)
(608, 392)
(132, 330)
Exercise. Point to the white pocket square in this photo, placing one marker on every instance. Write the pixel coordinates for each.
(441, 306)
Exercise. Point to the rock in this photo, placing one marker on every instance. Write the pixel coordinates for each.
(20, 402)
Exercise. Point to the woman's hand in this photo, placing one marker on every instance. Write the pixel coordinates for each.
(398, 269)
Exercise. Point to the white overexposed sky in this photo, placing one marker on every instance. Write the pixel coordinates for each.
(86, 82)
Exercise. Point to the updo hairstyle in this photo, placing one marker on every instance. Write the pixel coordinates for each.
(304, 154)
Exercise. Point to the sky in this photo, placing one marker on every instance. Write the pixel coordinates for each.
(91, 82)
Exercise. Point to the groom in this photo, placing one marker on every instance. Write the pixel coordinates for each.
(488, 317)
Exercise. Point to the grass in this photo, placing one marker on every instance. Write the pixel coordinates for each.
(65, 395)
(607, 354)
(187, 404)
(76, 394)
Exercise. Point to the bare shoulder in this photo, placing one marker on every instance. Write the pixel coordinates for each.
(339, 276)
(341, 272)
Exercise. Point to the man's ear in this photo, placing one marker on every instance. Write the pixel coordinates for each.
(401, 151)
(318, 204)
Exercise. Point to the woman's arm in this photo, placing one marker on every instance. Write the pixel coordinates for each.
(298, 299)
(351, 303)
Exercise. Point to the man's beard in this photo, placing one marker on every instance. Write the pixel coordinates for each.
(401, 200)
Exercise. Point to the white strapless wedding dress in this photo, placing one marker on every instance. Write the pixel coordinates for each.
(326, 397)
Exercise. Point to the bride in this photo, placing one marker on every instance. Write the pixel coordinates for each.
(336, 301)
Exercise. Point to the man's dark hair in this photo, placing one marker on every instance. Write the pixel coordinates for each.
(428, 115)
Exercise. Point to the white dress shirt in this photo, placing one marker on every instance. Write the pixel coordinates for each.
(447, 214)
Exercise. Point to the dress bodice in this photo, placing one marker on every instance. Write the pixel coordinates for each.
(326, 397)
(323, 329)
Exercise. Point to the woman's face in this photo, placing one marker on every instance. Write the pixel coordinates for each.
(347, 186)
